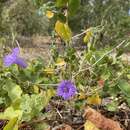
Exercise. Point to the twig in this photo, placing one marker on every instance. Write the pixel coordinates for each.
(59, 113)
(118, 46)
(80, 34)
(82, 70)
(17, 44)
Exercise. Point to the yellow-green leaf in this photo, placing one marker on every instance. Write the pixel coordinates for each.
(12, 124)
(49, 71)
(63, 30)
(94, 99)
(87, 36)
(89, 126)
(36, 89)
(14, 91)
(11, 113)
(125, 87)
(60, 62)
(48, 95)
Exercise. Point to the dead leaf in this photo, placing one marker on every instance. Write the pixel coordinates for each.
(100, 121)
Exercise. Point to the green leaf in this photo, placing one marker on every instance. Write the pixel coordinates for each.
(2, 100)
(11, 113)
(128, 101)
(73, 6)
(61, 17)
(113, 106)
(60, 3)
(12, 124)
(14, 91)
(125, 87)
(32, 105)
(26, 107)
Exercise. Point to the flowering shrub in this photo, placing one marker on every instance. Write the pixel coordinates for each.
(81, 78)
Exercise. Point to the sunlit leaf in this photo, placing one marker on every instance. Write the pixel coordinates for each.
(14, 91)
(36, 89)
(11, 113)
(94, 99)
(87, 36)
(60, 62)
(63, 31)
(12, 124)
(89, 126)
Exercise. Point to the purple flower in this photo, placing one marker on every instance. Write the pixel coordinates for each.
(66, 89)
(14, 58)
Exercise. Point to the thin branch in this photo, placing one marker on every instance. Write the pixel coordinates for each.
(17, 44)
(118, 46)
(80, 34)
(59, 113)
(82, 70)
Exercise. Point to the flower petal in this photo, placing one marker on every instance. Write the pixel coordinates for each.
(66, 89)
(19, 61)
(9, 59)
(16, 51)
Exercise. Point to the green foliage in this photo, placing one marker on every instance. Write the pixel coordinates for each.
(125, 87)
(14, 91)
(73, 6)
(61, 3)
(97, 72)
(21, 104)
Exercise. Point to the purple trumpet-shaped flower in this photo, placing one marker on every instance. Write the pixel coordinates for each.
(13, 58)
(66, 89)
